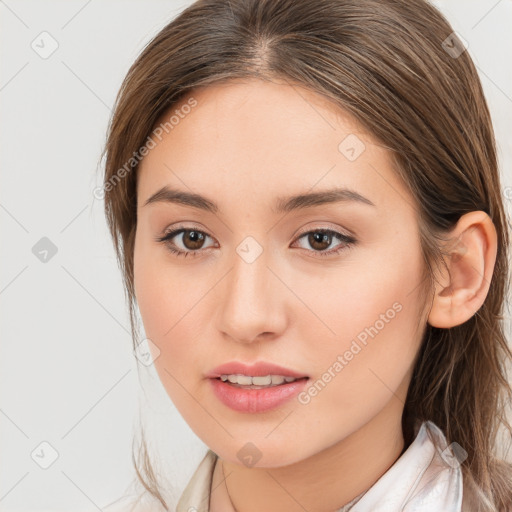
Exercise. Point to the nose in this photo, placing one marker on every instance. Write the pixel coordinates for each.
(251, 302)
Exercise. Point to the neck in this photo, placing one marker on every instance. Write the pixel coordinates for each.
(323, 482)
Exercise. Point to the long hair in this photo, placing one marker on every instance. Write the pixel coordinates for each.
(399, 69)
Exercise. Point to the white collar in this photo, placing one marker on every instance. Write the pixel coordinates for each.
(426, 477)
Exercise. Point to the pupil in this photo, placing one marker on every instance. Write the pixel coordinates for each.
(320, 238)
(196, 238)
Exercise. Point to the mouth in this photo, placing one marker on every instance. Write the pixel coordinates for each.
(238, 373)
(257, 387)
(257, 381)
(256, 394)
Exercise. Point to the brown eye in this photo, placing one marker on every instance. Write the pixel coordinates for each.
(191, 243)
(192, 239)
(320, 239)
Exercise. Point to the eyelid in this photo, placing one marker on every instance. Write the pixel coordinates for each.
(180, 228)
(326, 226)
(347, 240)
(184, 227)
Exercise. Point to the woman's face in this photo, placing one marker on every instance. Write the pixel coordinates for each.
(327, 287)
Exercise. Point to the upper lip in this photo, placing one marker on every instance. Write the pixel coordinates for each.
(260, 368)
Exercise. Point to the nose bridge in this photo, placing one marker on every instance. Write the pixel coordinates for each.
(249, 295)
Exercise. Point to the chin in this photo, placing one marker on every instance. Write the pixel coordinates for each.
(260, 454)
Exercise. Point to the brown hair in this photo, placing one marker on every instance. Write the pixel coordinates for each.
(397, 67)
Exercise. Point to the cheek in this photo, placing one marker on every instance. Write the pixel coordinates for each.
(373, 311)
(157, 295)
(167, 313)
(170, 304)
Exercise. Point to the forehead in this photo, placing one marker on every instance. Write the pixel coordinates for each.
(259, 138)
(282, 108)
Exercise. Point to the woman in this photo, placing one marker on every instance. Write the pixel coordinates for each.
(306, 206)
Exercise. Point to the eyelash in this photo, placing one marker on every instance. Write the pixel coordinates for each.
(348, 241)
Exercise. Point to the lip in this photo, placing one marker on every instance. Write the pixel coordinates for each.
(256, 400)
(259, 369)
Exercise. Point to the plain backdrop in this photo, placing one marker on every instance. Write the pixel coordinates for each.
(70, 387)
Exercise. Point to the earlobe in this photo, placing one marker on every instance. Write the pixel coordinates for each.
(470, 256)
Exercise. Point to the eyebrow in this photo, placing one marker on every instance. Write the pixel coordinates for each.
(281, 205)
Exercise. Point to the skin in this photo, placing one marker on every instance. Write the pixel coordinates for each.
(243, 145)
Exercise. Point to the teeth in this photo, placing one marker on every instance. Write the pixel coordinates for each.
(247, 380)
(244, 380)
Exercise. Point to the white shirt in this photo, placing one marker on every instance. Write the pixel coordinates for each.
(426, 477)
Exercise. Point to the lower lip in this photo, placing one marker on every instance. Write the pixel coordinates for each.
(256, 400)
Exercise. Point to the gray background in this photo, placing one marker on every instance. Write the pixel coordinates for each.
(68, 376)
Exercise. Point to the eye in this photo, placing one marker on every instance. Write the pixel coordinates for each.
(192, 240)
(320, 239)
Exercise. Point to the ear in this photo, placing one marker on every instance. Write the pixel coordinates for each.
(470, 255)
